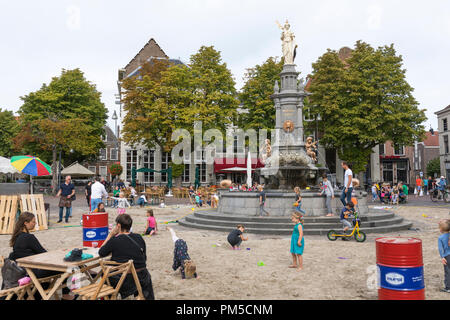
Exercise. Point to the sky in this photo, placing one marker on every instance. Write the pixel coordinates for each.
(39, 38)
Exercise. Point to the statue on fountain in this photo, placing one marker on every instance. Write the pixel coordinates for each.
(289, 46)
(311, 148)
(266, 152)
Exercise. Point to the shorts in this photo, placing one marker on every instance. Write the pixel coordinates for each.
(121, 210)
(149, 229)
(346, 223)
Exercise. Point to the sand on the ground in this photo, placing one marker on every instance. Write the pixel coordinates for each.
(332, 270)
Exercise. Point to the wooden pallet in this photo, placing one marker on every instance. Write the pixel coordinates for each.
(34, 203)
(8, 211)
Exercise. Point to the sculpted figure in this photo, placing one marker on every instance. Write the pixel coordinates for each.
(311, 148)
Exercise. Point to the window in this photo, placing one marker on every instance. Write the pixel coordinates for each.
(202, 172)
(399, 150)
(114, 154)
(445, 124)
(186, 173)
(401, 172)
(103, 171)
(165, 160)
(307, 115)
(131, 162)
(93, 169)
(381, 149)
(446, 144)
(149, 163)
(103, 154)
(388, 172)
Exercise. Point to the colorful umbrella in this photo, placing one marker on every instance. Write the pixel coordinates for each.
(31, 165)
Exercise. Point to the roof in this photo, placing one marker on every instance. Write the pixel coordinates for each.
(443, 110)
(431, 140)
(76, 169)
(149, 50)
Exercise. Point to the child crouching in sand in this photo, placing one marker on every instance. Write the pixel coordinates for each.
(152, 226)
(297, 242)
(236, 237)
(181, 258)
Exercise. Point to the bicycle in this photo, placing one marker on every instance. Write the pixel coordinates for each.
(359, 235)
(435, 195)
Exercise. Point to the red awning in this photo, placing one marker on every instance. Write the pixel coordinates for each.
(227, 163)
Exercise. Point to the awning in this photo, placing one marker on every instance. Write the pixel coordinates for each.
(76, 169)
(223, 165)
(6, 167)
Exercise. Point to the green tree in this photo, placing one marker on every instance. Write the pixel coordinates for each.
(363, 102)
(167, 97)
(255, 95)
(434, 168)
(65, 115)
(9, 128)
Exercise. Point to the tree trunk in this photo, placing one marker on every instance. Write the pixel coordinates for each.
(55, 166)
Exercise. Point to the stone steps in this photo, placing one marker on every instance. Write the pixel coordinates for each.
(381, 222)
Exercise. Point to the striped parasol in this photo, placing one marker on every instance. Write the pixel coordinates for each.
(31, 165)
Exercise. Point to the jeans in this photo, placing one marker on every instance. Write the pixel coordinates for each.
(94, 203)
(347, 195)
(68, 212)
(374, 196)
(261, 209)
(447, 273)
(328, 204)
(299, 208)
(141, 202)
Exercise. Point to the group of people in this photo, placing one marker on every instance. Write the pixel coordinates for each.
(426, 186)
(200, 200)
(390, 195)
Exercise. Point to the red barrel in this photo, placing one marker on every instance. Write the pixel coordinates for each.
(95, 229)
(400, 268)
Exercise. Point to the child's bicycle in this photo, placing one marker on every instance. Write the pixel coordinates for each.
(359, 235)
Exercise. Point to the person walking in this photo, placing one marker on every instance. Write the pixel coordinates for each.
(66, 192)
(98, 191)
(348, 184)
(418, 186)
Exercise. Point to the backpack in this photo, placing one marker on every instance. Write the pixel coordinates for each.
(11, 273)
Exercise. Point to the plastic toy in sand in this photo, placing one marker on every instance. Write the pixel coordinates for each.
(261, 264)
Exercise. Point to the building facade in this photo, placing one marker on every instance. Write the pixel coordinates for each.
(444, 147)
(107, 156)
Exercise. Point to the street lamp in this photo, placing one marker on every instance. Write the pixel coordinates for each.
(114, 117)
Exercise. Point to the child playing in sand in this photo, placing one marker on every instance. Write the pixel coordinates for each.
(236, 237)
(122, 203)
(347, 212)
(444, 252)
(152, 226)
(181, 257)
(297, 241)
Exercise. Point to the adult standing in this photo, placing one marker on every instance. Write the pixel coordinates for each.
(262, 201)
(348, 184)
(98, 191)
(66, 191)
(88, 192)
(123, 246)
(425, 186)
(327, 188)
(430, 184)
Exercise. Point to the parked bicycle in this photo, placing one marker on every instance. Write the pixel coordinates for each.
(436, 195)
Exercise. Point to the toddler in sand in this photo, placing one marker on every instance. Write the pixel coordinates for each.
(297, 241)
(181, 257)
(236, 237)
(122, 203)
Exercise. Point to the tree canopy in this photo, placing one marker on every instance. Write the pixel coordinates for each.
(364, 101)
(67, 115)
(9, 128)
(166, 97)
(255, 95)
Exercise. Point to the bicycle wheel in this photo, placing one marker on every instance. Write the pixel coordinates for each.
(361, 237)
(331, 235)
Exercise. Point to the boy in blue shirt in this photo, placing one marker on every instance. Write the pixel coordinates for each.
(444, 252)
(346, 213)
